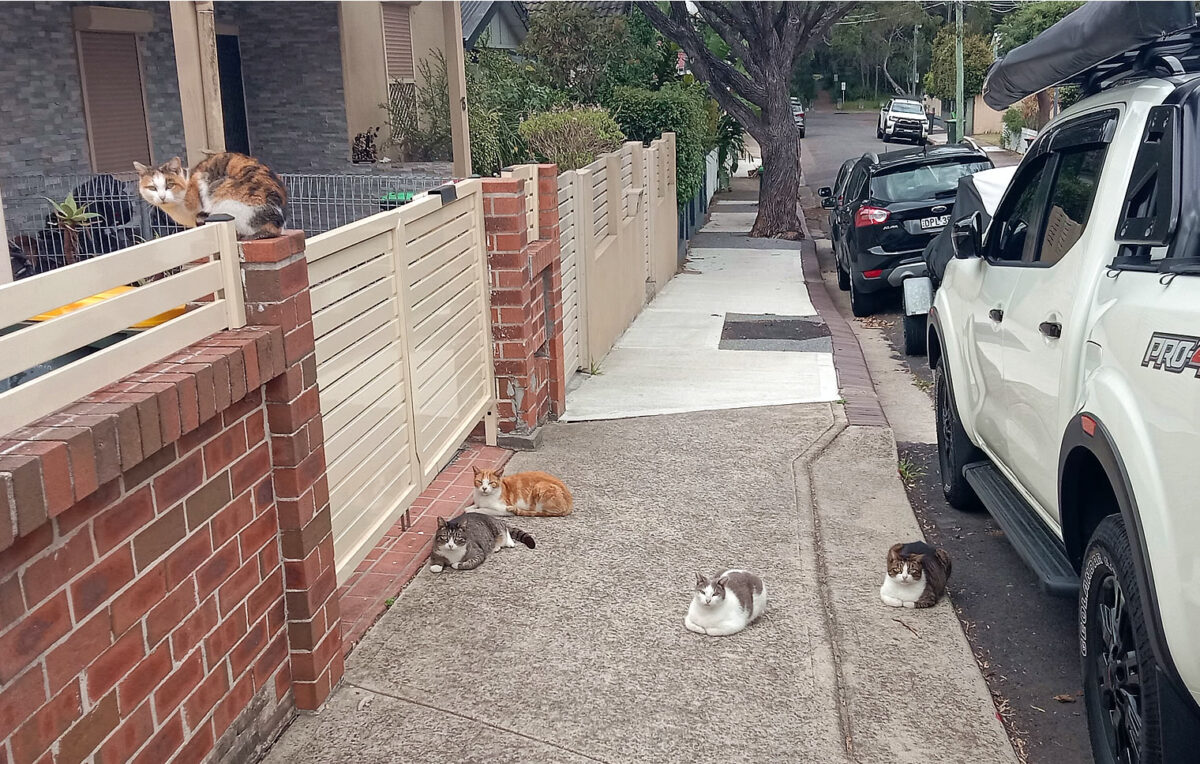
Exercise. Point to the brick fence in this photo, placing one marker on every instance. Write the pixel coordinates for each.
(527, 305)
(166, 585)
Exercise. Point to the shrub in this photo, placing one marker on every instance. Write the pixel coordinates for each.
(1014, 120)
(571, 138)
(646, 114)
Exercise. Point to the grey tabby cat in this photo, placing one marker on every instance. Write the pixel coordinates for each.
(464, 542)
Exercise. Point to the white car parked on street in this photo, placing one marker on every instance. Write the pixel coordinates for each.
(1065, 344)
(900, 118)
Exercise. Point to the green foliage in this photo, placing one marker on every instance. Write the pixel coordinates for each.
(731, 142)
(510, 90)
(1014, 120)
(71, 215)
(646, 114)
(977, 56)
(577, 49)
(1031, 19)
(571, 138)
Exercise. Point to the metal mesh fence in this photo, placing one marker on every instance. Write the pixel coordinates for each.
(316, 203)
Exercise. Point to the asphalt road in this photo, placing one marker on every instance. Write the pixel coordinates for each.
(1024, 639)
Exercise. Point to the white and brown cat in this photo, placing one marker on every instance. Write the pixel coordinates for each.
(221, 184)
(527, 494)
(916, 575)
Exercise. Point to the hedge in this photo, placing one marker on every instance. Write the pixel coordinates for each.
(646, 114)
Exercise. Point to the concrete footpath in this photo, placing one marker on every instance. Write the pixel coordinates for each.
(576, 651)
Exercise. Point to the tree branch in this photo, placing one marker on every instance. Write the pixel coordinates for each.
(731, 36)
(723, 80)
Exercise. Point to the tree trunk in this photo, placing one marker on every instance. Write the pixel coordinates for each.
(1043, 108)
(779, 183)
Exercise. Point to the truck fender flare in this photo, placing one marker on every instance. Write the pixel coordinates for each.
(1086, 431)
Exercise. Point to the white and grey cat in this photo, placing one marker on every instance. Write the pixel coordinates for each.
(726, 603)
(466, 541)
(916, 575)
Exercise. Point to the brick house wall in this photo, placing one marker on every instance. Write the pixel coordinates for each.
(45, 131)
(167, 586)
(527, 307)
(292, 71)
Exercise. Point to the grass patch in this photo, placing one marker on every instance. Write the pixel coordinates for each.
(910, 471)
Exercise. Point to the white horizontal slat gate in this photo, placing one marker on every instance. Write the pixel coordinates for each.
(403, 344)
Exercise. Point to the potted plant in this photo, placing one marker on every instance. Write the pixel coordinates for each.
(71, 217)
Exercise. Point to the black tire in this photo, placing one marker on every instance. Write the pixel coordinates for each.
(886, 139)
(955, 449)
(879, 133)
(1120, 677)
(843, 278)
(914, 334)
(802, 132)
(861, 304)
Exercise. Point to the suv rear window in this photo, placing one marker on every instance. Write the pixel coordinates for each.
(907, 108)
(912, 184)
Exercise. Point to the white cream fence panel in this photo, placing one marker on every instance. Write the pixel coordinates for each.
(617, 222)
(206, 261)
(404, 357)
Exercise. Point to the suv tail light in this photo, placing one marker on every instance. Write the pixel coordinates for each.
(868, 216)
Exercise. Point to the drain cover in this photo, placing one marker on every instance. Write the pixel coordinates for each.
(765, 331)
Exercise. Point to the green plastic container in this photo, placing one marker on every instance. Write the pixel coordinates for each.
(393, 199)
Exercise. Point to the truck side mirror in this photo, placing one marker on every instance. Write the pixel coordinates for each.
(967, 237)
(824, 191)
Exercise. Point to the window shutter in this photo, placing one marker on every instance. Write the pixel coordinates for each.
(112, 93)
(397, 41)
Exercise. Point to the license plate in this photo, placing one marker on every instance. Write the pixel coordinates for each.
(938, 222)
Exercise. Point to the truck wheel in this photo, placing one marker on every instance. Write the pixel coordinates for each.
(914, 334)
(879, 133)
(955, 449)
(1120, 680)
(843, 278)
(861, 305)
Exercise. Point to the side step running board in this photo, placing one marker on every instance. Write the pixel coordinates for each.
(1038, 547)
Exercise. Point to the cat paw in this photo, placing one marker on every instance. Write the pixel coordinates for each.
(910, 604)
(891, 601)
(454, 565)
(435, 568)
(687, 622)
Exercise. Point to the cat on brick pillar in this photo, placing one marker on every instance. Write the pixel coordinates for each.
(221, 184)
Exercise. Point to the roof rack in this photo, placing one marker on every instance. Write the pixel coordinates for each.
(969, 141)
(1096, 46)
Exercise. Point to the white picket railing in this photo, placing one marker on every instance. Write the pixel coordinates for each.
(206, 259)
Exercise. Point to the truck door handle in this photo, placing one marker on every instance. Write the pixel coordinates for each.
(996, 315)
(1051, 329)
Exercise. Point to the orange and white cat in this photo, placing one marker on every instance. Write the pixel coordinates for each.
(223, 183)
(528, 494)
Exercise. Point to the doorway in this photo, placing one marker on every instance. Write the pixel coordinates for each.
(233, 94)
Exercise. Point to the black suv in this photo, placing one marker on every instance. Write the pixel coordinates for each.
(892, 206)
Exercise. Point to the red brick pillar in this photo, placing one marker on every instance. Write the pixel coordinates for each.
(526, 281)
(277, 293)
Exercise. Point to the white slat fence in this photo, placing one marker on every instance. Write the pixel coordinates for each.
(207, 262)
(404, 357)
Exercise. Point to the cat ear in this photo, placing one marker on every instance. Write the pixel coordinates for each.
(441, 522)
(175, 165)
(894, 552)
(700, 580)
(141, 168)
(499, 471)
(476, 470)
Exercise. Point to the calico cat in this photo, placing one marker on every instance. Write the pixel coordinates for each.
(466, 541)
(725, 603)
(222, 183)
(916, 575)
(527, 494)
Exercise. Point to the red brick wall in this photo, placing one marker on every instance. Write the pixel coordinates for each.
(167, 584)
(526, 276)
(143, 618)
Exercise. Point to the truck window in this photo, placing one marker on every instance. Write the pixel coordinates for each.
(1071, 199)
(1017, 223)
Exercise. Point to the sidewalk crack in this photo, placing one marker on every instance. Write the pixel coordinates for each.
(476, 720)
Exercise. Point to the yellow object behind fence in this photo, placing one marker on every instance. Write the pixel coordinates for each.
(108, 294)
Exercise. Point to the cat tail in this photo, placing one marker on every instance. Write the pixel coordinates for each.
(944, 558)
(523, 537)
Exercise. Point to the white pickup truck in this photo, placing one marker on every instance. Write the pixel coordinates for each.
(1065, 344)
